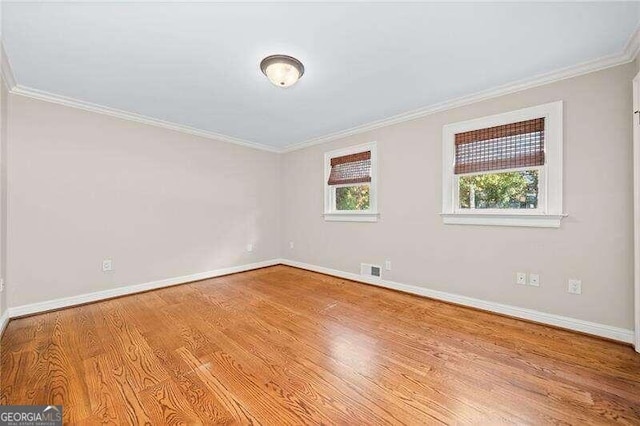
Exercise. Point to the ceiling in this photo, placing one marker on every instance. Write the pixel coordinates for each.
(197, 64)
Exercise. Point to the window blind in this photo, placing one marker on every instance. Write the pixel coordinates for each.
(508, 146)
(352, 168)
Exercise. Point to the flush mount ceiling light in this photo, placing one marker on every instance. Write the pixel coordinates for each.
(282, 70)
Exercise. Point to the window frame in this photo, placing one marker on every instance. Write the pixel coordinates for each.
(330, 212)
(549, 212)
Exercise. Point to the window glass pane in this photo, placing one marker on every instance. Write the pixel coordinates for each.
(511, 190)
(352, 197)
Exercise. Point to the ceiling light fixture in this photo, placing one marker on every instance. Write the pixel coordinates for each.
(282, 70)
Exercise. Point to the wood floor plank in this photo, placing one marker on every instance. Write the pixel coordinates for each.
(285, 346)
(348, 360)
(141, 364)
(65, 384)
(323, 361)
(233, 403)
(554, 391)
(208, 405)
(169, 405)
(114, 396)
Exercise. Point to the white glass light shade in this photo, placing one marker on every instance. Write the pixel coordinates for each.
(282, 70)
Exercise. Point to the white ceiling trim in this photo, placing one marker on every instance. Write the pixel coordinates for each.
(631, 51)
(17, 89)
(5, 69)
(132, 116)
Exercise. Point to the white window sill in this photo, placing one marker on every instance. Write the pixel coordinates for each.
(351, 217)
(500, 219)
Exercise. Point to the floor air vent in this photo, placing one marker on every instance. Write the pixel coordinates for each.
(370, 270)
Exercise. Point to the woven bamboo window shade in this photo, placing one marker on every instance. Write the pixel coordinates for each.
(509, 146)
(352, 168)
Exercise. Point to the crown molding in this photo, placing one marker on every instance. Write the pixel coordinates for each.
(629, 54)
(5, 69)
(131, 116)
(16, 89)
(632, 48)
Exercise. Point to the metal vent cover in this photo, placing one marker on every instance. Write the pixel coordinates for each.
(370, 270)
(375, 271)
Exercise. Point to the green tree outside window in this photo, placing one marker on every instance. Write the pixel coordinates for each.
(511, 190)
(352, 197)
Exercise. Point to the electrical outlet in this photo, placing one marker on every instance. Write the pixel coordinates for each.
(387, 265)
(521, 278)
(107, 265)
(249, 248)
(1, 285)
(575, 287)
(290, 244)
(534, 280)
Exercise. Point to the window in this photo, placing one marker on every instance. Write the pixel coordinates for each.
(505, 169)
(350, 184)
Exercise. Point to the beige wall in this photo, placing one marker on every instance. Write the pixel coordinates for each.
(4, 97)
(161, 204)
(594, 243)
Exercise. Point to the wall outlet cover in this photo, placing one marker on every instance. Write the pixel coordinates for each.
(387, 265)
(575, 287)
(534, 280)
(521, 278)
(107, 265)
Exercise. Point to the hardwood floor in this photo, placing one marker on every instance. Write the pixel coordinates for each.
(285, 346)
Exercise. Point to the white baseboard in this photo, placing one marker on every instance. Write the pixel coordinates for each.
(601, 330)
(4, 320)
(34, 308)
